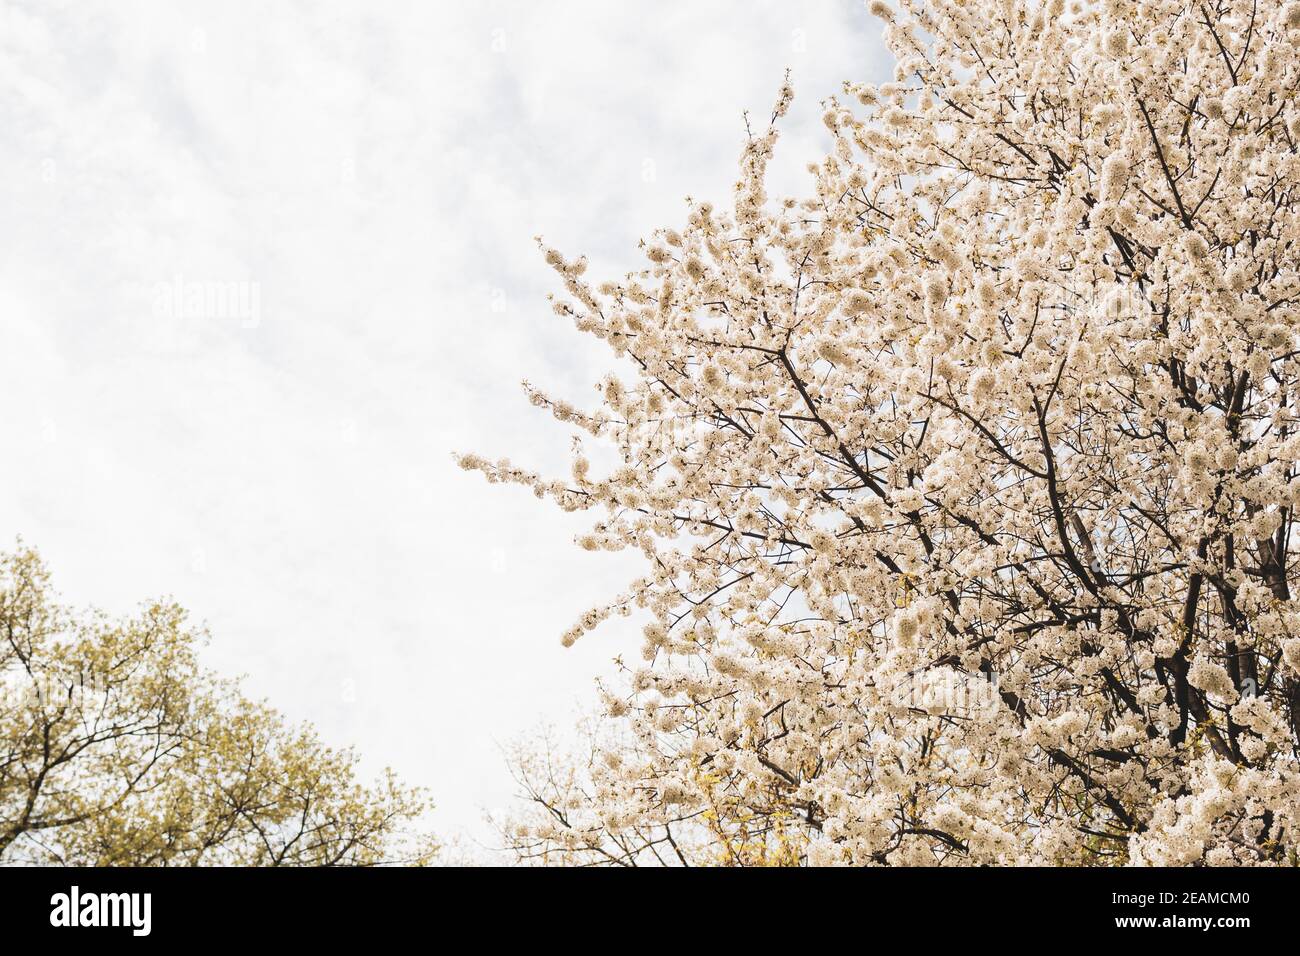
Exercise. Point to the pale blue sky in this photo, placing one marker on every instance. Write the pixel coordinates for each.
(366, 179)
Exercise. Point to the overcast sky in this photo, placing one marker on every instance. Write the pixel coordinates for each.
(266, 265)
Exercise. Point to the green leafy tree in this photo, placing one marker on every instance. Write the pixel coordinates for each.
(118, 748)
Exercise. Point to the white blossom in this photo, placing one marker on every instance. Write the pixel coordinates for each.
(1008, 401)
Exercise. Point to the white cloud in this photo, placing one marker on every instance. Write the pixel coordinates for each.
(374, 174)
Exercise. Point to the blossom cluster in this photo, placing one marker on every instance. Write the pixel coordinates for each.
(1007, 402)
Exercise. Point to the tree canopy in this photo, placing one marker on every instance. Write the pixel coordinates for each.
(118, 748)
(966, 482)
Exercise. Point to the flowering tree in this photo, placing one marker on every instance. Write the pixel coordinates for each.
(117, 748)
(967, 483)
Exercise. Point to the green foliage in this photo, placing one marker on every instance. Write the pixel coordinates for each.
(118, 748)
